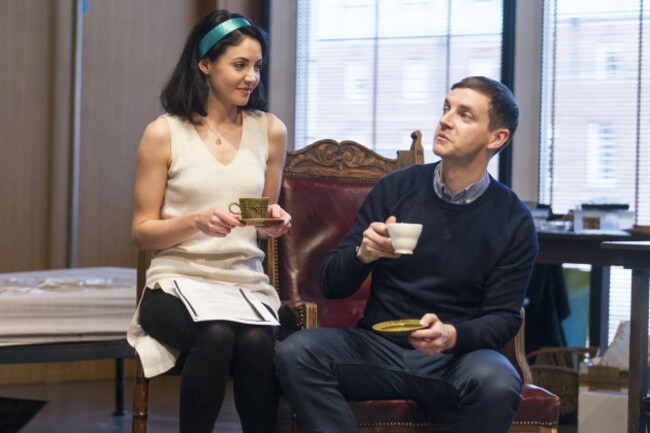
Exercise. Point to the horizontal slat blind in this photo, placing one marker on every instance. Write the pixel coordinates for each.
(376, 70)
(595, 134)
(594, 94)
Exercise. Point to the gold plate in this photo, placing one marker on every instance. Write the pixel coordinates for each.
(398, 327)
(261, 222)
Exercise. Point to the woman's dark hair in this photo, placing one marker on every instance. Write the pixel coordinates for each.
(185, 94)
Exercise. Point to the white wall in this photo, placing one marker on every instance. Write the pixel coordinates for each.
(528, 52)
(282, 65)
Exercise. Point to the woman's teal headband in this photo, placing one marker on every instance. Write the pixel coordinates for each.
(215, 35)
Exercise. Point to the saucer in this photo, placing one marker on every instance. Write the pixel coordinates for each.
(398, 327)
(261, 222)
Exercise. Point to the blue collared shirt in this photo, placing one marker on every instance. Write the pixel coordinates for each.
(466, 196)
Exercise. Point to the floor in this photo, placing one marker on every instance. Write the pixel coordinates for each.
(86, 407)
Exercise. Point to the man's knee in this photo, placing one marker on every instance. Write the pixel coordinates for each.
(294, 349)
(489, 375)
(498, 382)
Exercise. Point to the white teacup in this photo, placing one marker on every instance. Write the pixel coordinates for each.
(404, 236)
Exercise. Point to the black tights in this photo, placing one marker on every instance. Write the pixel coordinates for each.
(214, 350)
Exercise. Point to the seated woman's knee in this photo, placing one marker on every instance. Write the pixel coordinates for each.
(257, 341)
(216, 334)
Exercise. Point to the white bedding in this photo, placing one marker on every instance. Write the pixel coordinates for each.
(66, 305)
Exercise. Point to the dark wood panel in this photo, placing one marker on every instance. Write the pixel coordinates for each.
(558, 248)
(34, 97)
(251, 9)
(130, 48)
(582, 248)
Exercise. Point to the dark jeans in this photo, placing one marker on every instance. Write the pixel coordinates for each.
(319, 368)
(214, 350)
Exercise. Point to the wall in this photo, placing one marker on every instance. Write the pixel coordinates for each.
(128, 50)
(35, 98)
(527, 89)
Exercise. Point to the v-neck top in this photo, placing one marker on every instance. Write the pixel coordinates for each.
(197, 180)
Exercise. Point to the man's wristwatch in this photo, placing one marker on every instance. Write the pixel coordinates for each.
(356, 250)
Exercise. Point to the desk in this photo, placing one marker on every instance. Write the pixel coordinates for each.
(569, 247)
(636, 256)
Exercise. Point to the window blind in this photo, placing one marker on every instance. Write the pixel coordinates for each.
(595, 137)
(373, 71)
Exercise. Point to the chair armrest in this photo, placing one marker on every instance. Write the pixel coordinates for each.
(515, 351)
(296, 315)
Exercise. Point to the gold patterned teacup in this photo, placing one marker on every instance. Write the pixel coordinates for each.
(251, 207)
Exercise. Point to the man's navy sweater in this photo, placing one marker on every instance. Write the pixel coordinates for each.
(471, 266)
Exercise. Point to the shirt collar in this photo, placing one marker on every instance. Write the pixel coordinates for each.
(465, 196)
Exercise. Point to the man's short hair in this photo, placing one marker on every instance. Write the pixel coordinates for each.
(503, 109)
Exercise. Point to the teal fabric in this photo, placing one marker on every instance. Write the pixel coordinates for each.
(215, 35)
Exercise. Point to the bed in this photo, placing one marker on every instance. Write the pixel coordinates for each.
(68, 315)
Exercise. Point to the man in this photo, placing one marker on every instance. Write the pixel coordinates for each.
(465, 280)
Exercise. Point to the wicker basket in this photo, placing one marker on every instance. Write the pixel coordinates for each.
(556, 369)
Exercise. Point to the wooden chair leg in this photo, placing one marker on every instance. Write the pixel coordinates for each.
(531, 428)
(295, 424)
(140, 399)
(119, 387)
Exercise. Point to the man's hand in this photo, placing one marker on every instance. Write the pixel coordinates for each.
(376, 243)
(435, 338)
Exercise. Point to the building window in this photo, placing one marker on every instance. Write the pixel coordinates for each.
(357, 81)
(587, 48)
(608, 60)
(415, 82)
(601, 155)
(383, 67)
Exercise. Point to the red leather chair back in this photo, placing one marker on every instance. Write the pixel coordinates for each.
(323, 211)
(323, 187)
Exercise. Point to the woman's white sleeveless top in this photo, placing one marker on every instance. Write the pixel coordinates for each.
(196, 180)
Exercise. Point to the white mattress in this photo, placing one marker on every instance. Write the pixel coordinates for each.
(66, 305)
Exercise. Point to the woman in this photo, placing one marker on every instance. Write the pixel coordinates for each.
(212, 147)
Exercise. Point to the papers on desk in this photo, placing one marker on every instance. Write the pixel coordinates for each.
(217, 302)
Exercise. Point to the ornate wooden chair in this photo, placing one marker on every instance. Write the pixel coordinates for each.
(294, 316)
(323, 187)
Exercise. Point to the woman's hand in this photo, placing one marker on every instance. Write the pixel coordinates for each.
(216, 222)
(275, 211)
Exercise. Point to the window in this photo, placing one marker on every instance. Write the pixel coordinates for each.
(601, 155)
(608, 60)
(415, 76)
(596, 92)
(356, 82)
(380, 69)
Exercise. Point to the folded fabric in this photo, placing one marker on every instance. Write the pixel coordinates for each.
(618, 353)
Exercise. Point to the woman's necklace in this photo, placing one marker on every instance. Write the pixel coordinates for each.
(218, 140)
